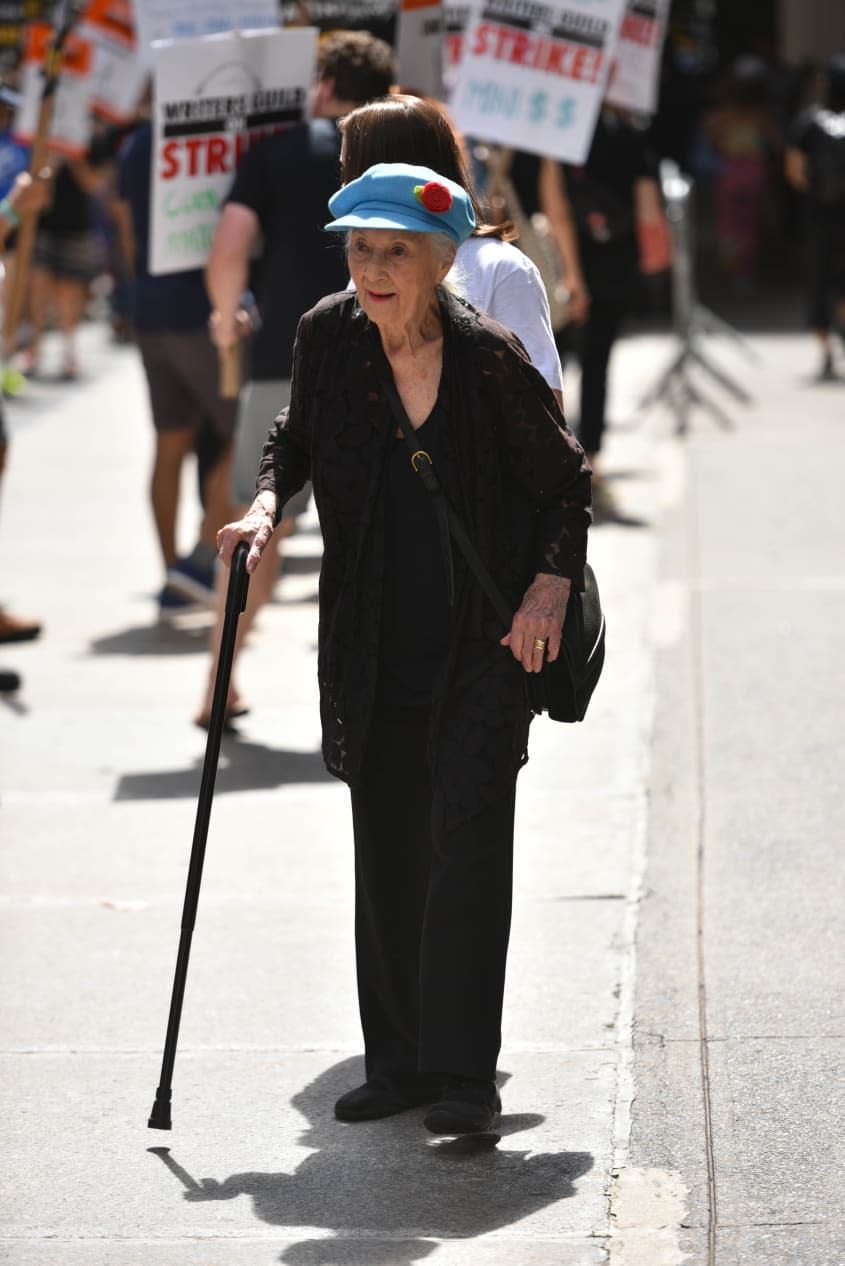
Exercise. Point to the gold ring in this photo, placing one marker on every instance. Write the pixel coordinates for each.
(539, 644)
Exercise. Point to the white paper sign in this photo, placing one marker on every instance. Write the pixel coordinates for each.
(119, 76)
(634, 79)
(190, 19)
(419, 47)
(533, 75)
(455, 20)
(213, 97)
(70, 128)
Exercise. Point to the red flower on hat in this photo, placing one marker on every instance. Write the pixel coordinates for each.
(434, 196)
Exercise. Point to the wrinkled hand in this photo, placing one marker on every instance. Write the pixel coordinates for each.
(540, 617)
(256, 528)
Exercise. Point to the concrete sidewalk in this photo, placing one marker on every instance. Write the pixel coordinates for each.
(631, 836)
(740, 1016)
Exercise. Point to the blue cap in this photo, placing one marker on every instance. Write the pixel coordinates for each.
(401, 196)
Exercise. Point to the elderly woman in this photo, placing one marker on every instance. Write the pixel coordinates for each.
(424, 697)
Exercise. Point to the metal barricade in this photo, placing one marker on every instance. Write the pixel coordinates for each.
(690, 319)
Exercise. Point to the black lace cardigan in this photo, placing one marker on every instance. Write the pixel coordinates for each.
(514, 472)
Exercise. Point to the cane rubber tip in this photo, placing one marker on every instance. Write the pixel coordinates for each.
(160, 1115)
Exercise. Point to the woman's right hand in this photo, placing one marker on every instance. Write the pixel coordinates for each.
(256, 528)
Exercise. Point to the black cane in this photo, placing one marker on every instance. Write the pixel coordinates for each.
(235, 603)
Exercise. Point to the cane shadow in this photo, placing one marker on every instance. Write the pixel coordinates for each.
(243, 766)
(386, 1192)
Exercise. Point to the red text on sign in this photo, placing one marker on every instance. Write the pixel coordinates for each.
(207, 155)
(518, 48)
(639, 30)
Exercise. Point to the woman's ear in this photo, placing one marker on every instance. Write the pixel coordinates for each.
(448, 261)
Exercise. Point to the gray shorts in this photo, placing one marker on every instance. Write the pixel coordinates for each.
(182, 372)
(74, 256)
(259, 404)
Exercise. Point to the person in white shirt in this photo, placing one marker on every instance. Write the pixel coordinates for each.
(500, 280)
(488, 272)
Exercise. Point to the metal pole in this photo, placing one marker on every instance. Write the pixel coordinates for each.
(689, 318)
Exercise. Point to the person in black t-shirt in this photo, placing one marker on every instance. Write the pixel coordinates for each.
(600, 214)
(815, 166)
(280, 193)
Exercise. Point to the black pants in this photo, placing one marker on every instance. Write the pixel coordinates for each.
(825, 266)
(432, 915)
(594, 343)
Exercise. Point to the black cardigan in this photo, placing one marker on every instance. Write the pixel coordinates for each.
(514, 472)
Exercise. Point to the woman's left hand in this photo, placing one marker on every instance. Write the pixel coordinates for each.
(537, 625)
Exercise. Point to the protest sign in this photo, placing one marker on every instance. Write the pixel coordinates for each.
(636, 70)
(533, 75)
(191, 19)
(376, 16)
(119, 75)
(213, 97)
(455, 19)
(419, 47)
(70, 129)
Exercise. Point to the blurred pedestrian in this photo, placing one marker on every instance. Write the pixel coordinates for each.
(26, 196)
(279, 197)
(607, 220)
(14, 159)
(14, 156)
(747, 144)
(170, 315)
(65, 260)
(424, 704)
(815, 166)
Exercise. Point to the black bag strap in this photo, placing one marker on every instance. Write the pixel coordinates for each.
(448, 517)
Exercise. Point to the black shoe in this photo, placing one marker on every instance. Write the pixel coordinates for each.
(380, 1097)
(9, 681)
(465, 1107)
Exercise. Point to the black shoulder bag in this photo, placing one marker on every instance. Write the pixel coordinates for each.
(564, 687)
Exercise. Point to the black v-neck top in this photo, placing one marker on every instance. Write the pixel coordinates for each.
(515, 475)
(414, 640)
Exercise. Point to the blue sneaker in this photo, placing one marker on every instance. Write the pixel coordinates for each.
(171, 603)
(192, 579)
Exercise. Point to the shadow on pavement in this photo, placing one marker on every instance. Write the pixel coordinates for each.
(154, 639)
(379, 1179)
(243, 767)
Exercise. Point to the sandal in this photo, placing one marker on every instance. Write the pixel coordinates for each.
(203, 720)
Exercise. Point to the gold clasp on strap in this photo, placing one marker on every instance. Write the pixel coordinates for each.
(419, 453)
